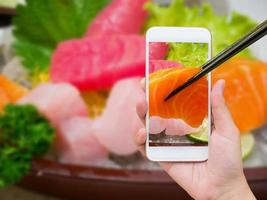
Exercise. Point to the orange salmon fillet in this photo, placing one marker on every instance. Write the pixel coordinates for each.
(191, 104)
(13, 90)
(245, 91)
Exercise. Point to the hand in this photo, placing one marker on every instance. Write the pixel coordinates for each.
(221, 176)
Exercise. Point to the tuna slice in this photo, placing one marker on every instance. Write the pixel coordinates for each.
(120, 17)
(155, 65)
(57, 101)
(158, 50)
(76, 143)
(119, 122)
(98, 62)
(171, 126)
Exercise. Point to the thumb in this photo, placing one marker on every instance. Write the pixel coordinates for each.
(222, 118)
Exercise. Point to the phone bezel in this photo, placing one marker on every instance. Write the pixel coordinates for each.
(177, 34)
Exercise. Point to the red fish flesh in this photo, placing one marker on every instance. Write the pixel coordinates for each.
(120, 17)
(98, 62)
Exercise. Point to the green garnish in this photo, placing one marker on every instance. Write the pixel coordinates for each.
(202, 135)
(225, 29)
(41, 24)
(247, 145)
(24, 135)
(188, 54)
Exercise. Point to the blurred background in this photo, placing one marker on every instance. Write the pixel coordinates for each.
(69, 175)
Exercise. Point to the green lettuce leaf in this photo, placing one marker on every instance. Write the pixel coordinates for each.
(188, 54)
(225, 29)
(41, 24)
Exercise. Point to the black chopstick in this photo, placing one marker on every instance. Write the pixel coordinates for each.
(225, 55)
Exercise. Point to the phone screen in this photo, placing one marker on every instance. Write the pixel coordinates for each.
(183, 120)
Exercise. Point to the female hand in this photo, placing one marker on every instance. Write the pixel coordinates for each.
(221, 176)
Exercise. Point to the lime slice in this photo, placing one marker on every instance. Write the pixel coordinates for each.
(201, 136)
(247, 145)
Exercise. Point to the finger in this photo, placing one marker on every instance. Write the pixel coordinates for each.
(143, 83)
(141, 109)
(140, 140)
(222, 118)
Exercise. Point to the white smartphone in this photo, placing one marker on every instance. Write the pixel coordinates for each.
(177, 129)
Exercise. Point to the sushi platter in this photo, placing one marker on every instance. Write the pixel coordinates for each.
(79, 74)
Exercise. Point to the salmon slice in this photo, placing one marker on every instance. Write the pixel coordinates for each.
(13, 90)
(245, 91)
(190, 105)
(257, 70)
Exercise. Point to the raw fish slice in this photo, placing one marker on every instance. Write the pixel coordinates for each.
(190, 105)
(57, 101)
(155, 65)
(13, 90)
(119, 122)
(156, 125)
(120, 17)
(98, 62)
(171, 126)
(76, 144)
(263, 76)
(244, 85)
(158, 50)
(132, 60)
(257, 70)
